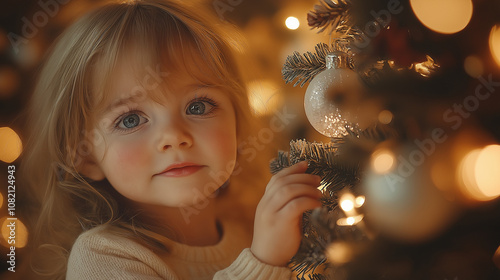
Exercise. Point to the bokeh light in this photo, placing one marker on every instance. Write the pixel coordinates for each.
(382, 161)
(385, 117)
(495, 43)
(350, 221)
(360, 200)
(10, 145)
(9, 81)
(487, 173)
(19, 235)
(347, 202)
(474, 66)
(347, 205)
(292, 23)
(478, 173)
(443, 16)
(465, 174)
(264, 96)
(339, 253)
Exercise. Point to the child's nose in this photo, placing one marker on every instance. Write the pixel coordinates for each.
(175, 135)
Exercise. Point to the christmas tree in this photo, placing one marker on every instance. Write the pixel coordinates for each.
(408, 93)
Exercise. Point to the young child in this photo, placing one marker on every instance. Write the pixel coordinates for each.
(137, 118)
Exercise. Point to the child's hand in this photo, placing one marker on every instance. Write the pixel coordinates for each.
(277, 230)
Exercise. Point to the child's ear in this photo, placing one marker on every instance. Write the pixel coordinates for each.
(90, 169)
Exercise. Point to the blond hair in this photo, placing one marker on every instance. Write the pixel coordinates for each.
(63, 101)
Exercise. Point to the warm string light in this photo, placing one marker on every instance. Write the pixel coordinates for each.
(495, 43)
(456, 17)
(349, 203)
(478, 173)
(10, 145)
(383, 161)
(292, 23)
(350, 221)
(360, 200)
(13, 231)
(11, 234)
(486, 171)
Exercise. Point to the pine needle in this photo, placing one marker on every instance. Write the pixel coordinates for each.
(305, 67)
(340, 171)
(329, 14)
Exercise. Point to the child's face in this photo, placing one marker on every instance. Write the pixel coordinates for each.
(174, 152)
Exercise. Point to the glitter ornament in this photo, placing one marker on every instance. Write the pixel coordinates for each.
(332, 97)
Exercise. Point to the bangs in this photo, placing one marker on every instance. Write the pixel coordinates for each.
(158, 44)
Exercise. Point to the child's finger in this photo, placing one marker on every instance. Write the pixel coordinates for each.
(299, 167)
(296, 207)
(286, 194)
(300, 178)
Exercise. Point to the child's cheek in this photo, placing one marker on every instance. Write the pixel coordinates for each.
(223, 140)
(131, 157)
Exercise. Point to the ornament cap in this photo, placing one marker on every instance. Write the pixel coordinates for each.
(337, 60)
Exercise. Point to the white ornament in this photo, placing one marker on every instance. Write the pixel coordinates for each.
(402, 200)
(332, 96)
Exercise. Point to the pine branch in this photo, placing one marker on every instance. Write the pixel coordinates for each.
(318, 277)
(319, 228)
(339, 170)
(383, 70)
(280, 162)
(318, 225)
(346, 32)
(377, 133)
(323, 161)
(305, 67)
(329, 14)
(337, 16)
(330, 160)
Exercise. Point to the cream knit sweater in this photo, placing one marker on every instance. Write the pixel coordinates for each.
(100, 254)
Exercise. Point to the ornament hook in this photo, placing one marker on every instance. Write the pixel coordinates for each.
(337, 60)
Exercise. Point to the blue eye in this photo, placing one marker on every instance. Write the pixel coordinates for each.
(201, 106)
(196, 108)
(129, 121)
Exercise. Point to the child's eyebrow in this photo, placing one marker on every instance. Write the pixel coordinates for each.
(120, 102)
(197, 86)
(136, 98)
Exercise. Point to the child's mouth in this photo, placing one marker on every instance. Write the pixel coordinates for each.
(181, 169)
